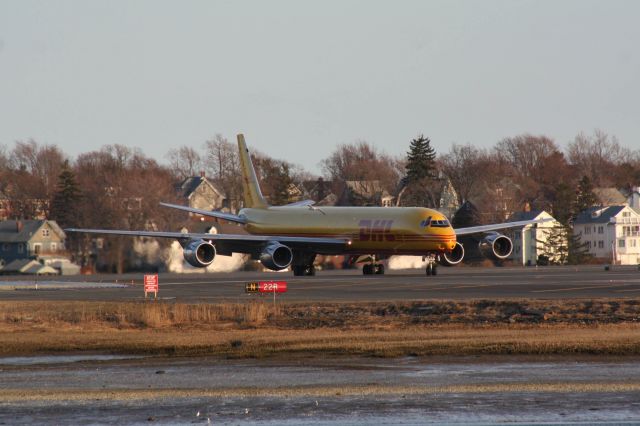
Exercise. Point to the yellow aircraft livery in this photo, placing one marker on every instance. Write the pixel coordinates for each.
(292, 235)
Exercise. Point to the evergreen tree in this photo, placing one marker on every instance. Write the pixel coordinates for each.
(467, 215)
(280, 179)
(563, 203)
(419, 186)
(585, 197)
(577, 251)
(421, 160)
(555, 246)
(64, 205)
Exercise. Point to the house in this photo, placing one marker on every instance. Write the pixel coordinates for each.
(448, 203)
(633, 197)
(30, 239)
(609, 196)
(200, 193)
(529, 241)
(611, 233)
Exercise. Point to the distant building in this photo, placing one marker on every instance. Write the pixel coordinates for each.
(30, 239)
(633, 198)
(200, 193)
(448, 204)
(609, 197)
(529, 241)
(611, 233)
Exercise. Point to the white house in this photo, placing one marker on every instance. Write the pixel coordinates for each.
(529, 241)
(611, 233)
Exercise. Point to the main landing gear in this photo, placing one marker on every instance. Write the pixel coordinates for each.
(432, 265)
(373, 268)
(302, 264)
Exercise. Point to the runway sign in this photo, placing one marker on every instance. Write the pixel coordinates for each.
(266, 287)
(151, 285)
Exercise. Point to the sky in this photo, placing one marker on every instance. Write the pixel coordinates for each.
(300, 77)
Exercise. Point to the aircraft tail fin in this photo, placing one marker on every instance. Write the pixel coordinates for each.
(250, 189)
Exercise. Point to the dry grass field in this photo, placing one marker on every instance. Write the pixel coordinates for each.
(373, 329)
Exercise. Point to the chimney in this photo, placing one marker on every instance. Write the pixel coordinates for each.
(202, 173)
(19, 226)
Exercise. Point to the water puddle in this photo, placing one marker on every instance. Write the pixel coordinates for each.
(60, 359)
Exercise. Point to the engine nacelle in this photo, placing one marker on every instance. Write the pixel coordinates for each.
(495, 246)
(276, 256)
(199, 253)
(453, 258)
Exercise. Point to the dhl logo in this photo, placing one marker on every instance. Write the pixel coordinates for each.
(376, 230)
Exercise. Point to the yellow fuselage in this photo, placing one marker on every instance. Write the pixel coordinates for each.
(371, 230)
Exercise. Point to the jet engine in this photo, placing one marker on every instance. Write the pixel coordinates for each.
(453, 258)
(495, 246)
(199, 253)
(276, 256)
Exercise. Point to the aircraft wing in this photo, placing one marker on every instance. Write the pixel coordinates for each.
(497, 226)
(235, 242)
(226, 216)
(303, 203)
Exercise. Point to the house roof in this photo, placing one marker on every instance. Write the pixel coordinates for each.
(598, 214)
(609, 196)
(10, 231)
(530, 215)
(19, 265)
(190, 184)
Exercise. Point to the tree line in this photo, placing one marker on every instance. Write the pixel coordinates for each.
(120, 187)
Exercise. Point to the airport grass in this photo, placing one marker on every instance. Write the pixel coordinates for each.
(256, 329)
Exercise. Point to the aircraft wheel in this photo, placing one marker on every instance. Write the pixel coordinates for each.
(429, 269)
(310, 271)
(434, 270)
(367, 269)
(379, 269)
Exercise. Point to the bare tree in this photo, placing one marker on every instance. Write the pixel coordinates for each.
(185, 162)
(224, 166)
(121, 189)
(467, 167)
(362, 162)
(595, 156)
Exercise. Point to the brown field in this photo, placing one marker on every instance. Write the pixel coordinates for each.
(610, 327)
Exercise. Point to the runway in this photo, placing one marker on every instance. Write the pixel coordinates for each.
(460, 283)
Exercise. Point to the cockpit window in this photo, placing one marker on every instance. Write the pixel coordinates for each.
(444, 223)
(425, 222)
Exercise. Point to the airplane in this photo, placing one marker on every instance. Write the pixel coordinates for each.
(292, 235)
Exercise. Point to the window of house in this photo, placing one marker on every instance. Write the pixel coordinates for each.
(587, 231)
(621, 243)
(20, 248)
(589, 245)
(54, 247)
(5, 247)
(36, 248)
(600, 244)
(600, 230)
(632, 242)
(45, 232)
(626, 214)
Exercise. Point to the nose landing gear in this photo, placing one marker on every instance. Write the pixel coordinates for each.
(432, 265)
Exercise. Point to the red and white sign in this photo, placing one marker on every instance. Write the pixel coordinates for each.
(272, 287)
(150, 284)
